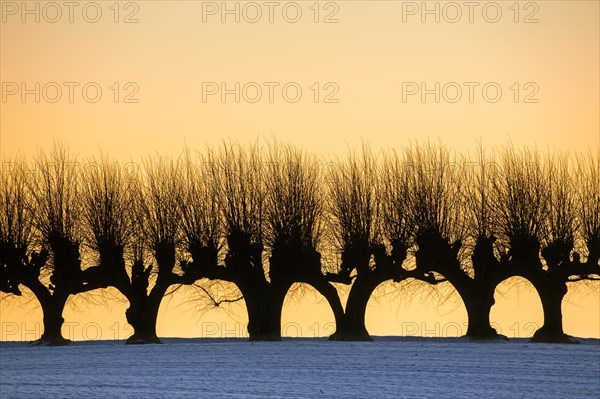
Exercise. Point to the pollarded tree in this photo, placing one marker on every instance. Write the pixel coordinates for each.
(157, 233)
(486, 270)
(235, 196)
(241, 188)
(557, 244)
(521, 203)
(108, 195)
(536, 219)
(353, 206)
(442, 210)
(369, 220)
(222, 202)
(567, 208)
(294, 226)
(133, 223)
(54, 208)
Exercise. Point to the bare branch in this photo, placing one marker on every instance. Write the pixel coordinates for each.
(217, 302)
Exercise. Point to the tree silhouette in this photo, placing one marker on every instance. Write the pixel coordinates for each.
(41, 239)
(485, 269)
(521, 194)
(294, 226)
(370, 222)
(267, 207)
(111, 232)
(258, 218)
(353, 206)
(439, 208)
(158, 223)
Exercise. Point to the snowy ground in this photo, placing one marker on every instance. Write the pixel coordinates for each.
(388, 367)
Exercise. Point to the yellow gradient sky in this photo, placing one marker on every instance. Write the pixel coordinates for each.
(544, 57)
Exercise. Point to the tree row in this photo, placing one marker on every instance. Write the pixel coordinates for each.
(265, 216)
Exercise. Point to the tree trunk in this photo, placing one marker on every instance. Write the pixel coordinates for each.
(551, 294)
(478, 298)
(479, 290)
(53, 309)
(264, 306)
(353, 328)
(331, 295)
(478, 312)
(142, 315)
(274, 309)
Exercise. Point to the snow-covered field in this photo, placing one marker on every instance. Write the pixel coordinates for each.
(388, 367)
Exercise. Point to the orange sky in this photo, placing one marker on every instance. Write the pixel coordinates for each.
(360, 65)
